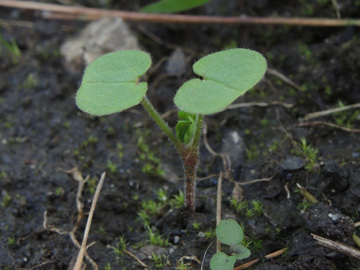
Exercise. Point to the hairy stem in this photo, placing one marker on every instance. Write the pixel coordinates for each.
(162, 124)
(191, 160)
(189, 156)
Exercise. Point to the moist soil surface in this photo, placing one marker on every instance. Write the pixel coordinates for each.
(47, 145)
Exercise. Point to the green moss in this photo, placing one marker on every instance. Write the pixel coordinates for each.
(6, 199)
(111, 166)
(90, 185)
(30, 82)
(157, 239)
(346, 118)
(151, 164)
(308, 152)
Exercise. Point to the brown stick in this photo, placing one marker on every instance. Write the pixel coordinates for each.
(94, 14)
(268, 256)
(337, 246)
(330, 111)
(322, 123)
(82, 251)
(218, 210)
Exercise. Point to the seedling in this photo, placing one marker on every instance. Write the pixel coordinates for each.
(229, 233)
(120, 247)
(308, 152)
(111, 84)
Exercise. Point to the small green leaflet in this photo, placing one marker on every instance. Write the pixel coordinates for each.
(226, 76)
(241, 252)
(229, 232)
(172, 6)
(221, 261)
(185, 127)
(111, 82)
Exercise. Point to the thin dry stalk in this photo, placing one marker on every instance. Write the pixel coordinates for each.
(337, 9)
(95, 14)
(284, 78)
(218, 209)
(203, 260)
(329, 111)
(225, 158)
(256, 181)
(322, 123)
(88, 224)
(337, 246)
(268, 256)
(135, 257)
(260, 104)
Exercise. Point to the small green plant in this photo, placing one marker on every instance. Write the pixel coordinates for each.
(309, 153)
(180, 265)
(210, 234)
(239, 206)
(196, 225)
(111, 166)
(171, 6)
(346, 118)
(249, 213)
(111, 84)
(120, 149)
(257, 206)
(108, 267)
(159, 260)
(178, 200)
(257, 245)
(11, 241)
(229, 233)
(157, 239)
(120, 247)
(12, 47)
(151, 164)
(6, 199)
(59, 191)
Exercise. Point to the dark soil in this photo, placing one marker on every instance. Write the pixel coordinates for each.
(43, 134)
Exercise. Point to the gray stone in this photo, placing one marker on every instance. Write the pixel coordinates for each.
(100, 37)
(293, 163)
(176, 65)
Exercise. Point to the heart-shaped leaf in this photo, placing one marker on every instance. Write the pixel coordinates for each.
(170, 6)
(111, 82)
(221, 261)
(226, 76)
(229, 232)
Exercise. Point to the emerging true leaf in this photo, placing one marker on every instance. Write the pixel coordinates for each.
(221, 261)
(229, 232)
(226, 76)
(111, 82)
(185, 128)
(241, 252)
(170, 6)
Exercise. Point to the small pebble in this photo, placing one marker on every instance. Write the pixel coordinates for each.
(176, 239)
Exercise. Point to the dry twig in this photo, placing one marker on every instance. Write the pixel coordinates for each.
(88, 224)
(85, 13)
(337, 246)
(256, 180)
(268, 256)
(260, 104)
(322, 123)
(218, 210)
(329, 111)
(284, 78)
